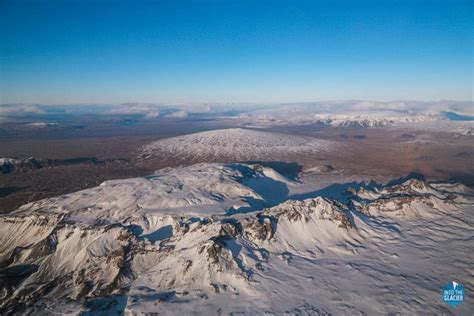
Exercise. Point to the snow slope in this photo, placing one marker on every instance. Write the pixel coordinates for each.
(236, 144)
(201, 189)
(216, 238)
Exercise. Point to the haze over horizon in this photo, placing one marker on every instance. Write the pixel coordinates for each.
(204, 51)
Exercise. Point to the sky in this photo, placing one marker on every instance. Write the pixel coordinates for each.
(59, 52)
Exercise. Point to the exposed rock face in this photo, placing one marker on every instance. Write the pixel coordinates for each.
(320, 208)
(48, 255)
(260, 229)
(71, 251)
(63, 259)
(412, 199)
(410, 187)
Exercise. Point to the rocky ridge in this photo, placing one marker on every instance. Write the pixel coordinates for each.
(52, 255)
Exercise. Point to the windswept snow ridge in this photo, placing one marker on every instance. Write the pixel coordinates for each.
(219, 238)
(202, 189)
(412, 199)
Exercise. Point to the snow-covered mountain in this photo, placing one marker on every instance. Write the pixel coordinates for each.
(411, 199)
(201, 189)
(8, 165)
(217, 238)
(235, 144)
(359, 114)
(374, 120)
(354, 120)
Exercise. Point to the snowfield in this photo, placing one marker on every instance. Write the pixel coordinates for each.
(234, 238)
(236, 144)
(200, 190)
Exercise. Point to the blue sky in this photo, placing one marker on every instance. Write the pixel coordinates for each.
(234, 51)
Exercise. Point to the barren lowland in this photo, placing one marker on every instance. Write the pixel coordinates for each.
(82, 154)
